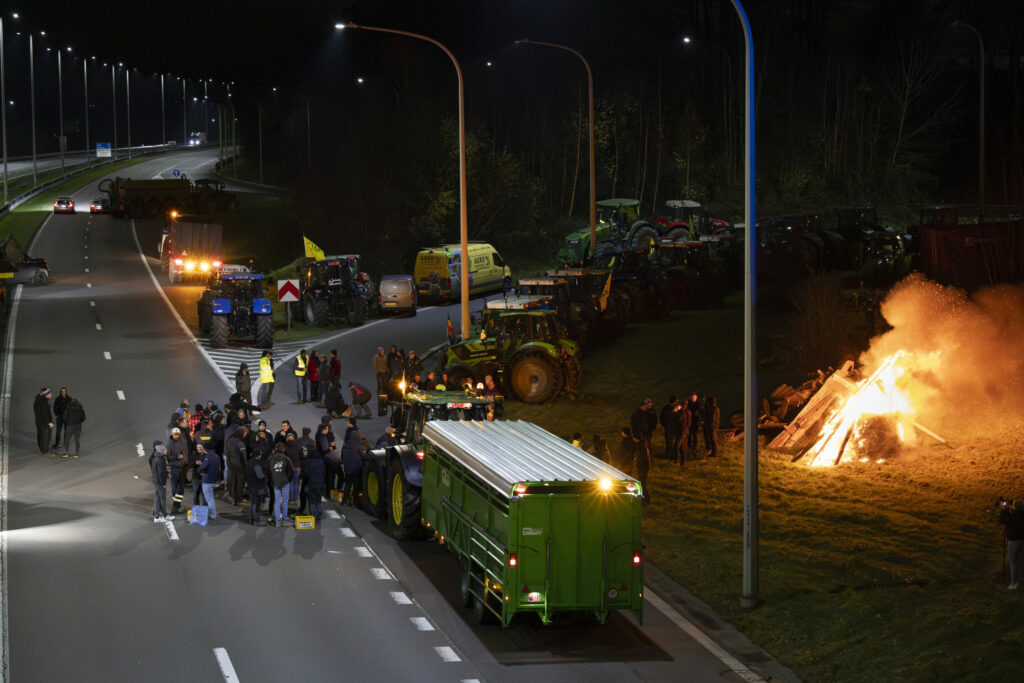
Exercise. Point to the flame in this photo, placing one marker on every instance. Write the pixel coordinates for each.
(885, 392)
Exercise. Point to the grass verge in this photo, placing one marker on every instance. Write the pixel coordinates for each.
(868, 571)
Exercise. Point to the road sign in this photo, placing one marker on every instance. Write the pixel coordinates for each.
(287, 290)
(102, 149)
(176, 173)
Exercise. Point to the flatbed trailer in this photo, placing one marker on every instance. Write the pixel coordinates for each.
(540, 526)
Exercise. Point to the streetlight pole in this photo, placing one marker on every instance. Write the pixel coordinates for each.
(32, 97)
(113, 91)
(163, 114)
(128, 101)
(259, 135)
(981, 119)
(3, 99)
(206, 110)
(85, 81)
(463, 208)
(184, 114)
(590, 116)
(60, 110)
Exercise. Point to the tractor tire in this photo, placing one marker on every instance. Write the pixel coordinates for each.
(404, 508)
(374, 488)
(534, 377)
(678, 234)
(357, 313)
(41, 277)
(483, 616)
(371, 295)
(645, 238)
(218, 331)
(315, 311)
(573, 375)
(265, 331)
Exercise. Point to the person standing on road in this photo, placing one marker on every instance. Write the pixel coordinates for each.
(335, 368)
(711, 418)
(300, 366)
(44, 420)
(314, 477)
(284, 432)
(60, 404)
(158, 468)
(255, 478)
(73, 417)
(313, 373)
(209, 469)
(267, 376)
(177, 459)
(360, 400)
(380, 369)
(396, 362)
(281, 474)
(352, 462)
(326, 448)
(237, 455)
(324, 372)
(293, 451)
(695, 408)
(243, 382)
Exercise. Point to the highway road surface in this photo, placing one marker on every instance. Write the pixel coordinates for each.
(94, 590)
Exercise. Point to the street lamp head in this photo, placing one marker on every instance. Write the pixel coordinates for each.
(360, 80)
(523, 41)
(345, 24)
(687, 39)
(69, 48)
(489, 63)
(14, 15)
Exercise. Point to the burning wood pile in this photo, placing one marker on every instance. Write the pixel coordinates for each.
(850, 419)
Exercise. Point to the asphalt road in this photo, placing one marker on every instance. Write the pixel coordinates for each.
(96, 591)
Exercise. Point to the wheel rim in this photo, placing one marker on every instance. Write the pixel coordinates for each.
(532, 377)
(372, 487)
(397, 498)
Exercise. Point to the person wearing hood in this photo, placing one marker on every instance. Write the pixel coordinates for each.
(281, 474)
(158, 468)
(255, 478)
(73, 417)
(352, 462)
(44, 420)
(177, 458)
(243, 382)
(60, 404)
(237, 456)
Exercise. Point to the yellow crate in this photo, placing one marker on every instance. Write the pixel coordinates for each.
(305, 522)
(336, 495)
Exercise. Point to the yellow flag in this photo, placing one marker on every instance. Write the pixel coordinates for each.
(313, 251)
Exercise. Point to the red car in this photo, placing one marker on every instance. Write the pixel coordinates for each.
(64, 204)
(99, 205)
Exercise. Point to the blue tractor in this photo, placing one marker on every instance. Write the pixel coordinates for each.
(233, 305)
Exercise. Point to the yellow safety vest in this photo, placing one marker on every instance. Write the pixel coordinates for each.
(300, 369)
(266, 371)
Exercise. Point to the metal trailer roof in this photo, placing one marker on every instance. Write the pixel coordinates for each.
(506, 452)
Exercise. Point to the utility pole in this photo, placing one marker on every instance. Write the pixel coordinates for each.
(113, 90)
(163, 114)
(85, 80)
(128, 100)
(60, 110)
(32, 96)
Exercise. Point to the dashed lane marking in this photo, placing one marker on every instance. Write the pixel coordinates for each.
(140, 450)
(363, 551)
(333, 514)
(86, 258)
(120, 395)
(106, 354)
(400, 598)
(224, 662)
(87, 270)
(421, 623)
(381, 574)
(99, 327)
(93, 304)
(172, 533)
(88, 284)
(447, 654)
(347, 532)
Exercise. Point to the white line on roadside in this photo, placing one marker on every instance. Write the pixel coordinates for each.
(120, 395)
(447, 654)
(363, 551)
(93, 304)
(347, 532)
(99, 327)
(400, 598)
(735, 665)
(470, 680)
(381, 574)
(224, 662)
(422, 623)
(172, 533)
(106, 354)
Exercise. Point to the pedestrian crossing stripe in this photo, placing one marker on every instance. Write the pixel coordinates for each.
(228, 359)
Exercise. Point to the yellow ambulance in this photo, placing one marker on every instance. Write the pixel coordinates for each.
(438, 269)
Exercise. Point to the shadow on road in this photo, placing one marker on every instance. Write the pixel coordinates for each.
(25, 516)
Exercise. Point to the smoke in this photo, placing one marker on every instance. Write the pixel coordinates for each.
(965, 355)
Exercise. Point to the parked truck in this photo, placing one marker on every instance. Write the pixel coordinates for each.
(539, 526)
(190, 248)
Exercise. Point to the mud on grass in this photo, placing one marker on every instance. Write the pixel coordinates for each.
(868, 571)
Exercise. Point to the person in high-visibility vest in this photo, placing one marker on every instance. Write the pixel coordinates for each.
(301, 367)
(266, 379)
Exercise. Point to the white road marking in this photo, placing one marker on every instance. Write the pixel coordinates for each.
(120, 395)
(86, 246)
(346, 532)
(93, 304)
(381, 574)
(735, 665)
(86, 258)
(421, 623)
(447, 654)
(99, 327)
(140, 450)
(400, 598)
(87, 270)
(333, 514)
(172, 533)
(106, 354)
(363, 551)
(88, 284)
(224, 662)
(470, 680)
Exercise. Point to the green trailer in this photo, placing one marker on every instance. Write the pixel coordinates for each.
(539, 525)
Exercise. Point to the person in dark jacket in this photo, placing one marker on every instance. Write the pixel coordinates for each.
(255, 478)
(684, 429)
(74, 416)
(177, 459)
(314, 472)
(696, 410)
(1012, 519)
(643, 423)
(387, 438)
(352, 462)
(243, 382)
(335, 368)
(44, 420)
(323, 371)
(360, 400)
(281, 436)
(219, 437)
(313, 374)
(413, 368)
(335, 402)
(237, 455)
(326, 448)
(281, 473)
(627, 451)
(599, 449)
(710, 420)
(209, 470)
(307, 449)
(670, 424)
(158, 468)
(293, 450)
(60, 404)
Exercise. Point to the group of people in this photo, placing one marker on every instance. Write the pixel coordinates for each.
(66, 416)
(290, 472)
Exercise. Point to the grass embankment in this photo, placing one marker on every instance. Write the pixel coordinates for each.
(23, 221)
(868, 572)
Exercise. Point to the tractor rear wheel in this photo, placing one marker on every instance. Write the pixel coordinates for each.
(265, 331)
(218, 331)
(315, 310)
(645, 238)
(374, 501)
(678, 234)
(357, 310)
(534, 378)
(404, 511)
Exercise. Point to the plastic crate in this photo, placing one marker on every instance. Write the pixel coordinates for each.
(305, 522)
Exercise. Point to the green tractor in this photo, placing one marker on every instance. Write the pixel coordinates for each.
(523, 347)
(617, 219)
